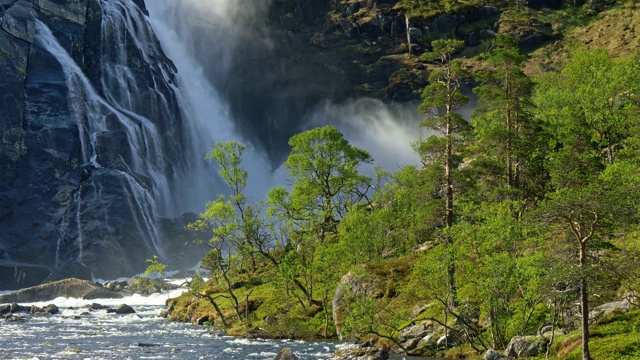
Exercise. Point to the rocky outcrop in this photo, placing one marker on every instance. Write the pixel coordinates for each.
(350, 286)
(523, 346)
(16, 312)
(420, 338)
(72, 288)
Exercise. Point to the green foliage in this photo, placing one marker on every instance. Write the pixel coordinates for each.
(429, 8)
(155, 267)
(507, 142)
(511, 219)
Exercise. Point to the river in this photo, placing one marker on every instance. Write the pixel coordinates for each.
(78, 333)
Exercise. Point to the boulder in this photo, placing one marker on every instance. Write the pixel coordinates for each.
(428, 342)
(50, 309)
(620, 307)
(367, 353)
(96, 306)
(15, 308)
(418, 336)
(492, 354)
(525, 346)
(414, 331)
(352, 285)
(70, 288)
(124, 309)
(286, 354)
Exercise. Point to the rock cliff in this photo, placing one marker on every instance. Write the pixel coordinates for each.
(89, 124)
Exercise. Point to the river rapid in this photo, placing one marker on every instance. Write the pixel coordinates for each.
(78, 333)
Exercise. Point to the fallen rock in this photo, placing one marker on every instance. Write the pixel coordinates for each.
(96, 306)
(124, 309)
(286, 354)
(15, 308)
(525, 346)
(492, 354)
(416, 331)
(51, 309)
(620, 307)
(368, 353)
(411, 336)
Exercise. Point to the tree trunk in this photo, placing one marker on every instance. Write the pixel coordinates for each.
(451, 269)
(584, 306)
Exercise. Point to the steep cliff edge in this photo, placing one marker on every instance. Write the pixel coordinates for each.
(88, 146)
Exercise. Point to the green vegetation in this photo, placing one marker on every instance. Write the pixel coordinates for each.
(511, 219)
(428, 8)
(151, 280)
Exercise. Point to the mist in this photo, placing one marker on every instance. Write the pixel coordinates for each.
(204, 49)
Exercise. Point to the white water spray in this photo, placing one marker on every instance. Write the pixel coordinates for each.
(208, 115)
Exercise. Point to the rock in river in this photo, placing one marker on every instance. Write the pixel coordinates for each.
(71, 288)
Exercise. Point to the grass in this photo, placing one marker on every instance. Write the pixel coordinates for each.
(614, 337)
(615, 29)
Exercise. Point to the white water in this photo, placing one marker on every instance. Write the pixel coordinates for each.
(79, 333)
(207, 113)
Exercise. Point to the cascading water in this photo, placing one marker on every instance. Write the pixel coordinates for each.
(92, 113)
(204, 49)
(207, 114)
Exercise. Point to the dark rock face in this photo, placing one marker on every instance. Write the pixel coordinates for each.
(91, 140)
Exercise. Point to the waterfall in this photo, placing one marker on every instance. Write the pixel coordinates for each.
(204, 49)
(205, 111)
(115, 111)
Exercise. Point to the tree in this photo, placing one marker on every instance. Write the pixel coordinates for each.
(588, 215)
(443, 93)
(597, 91)
(326, 183)
(504, 130)
(235, 225)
